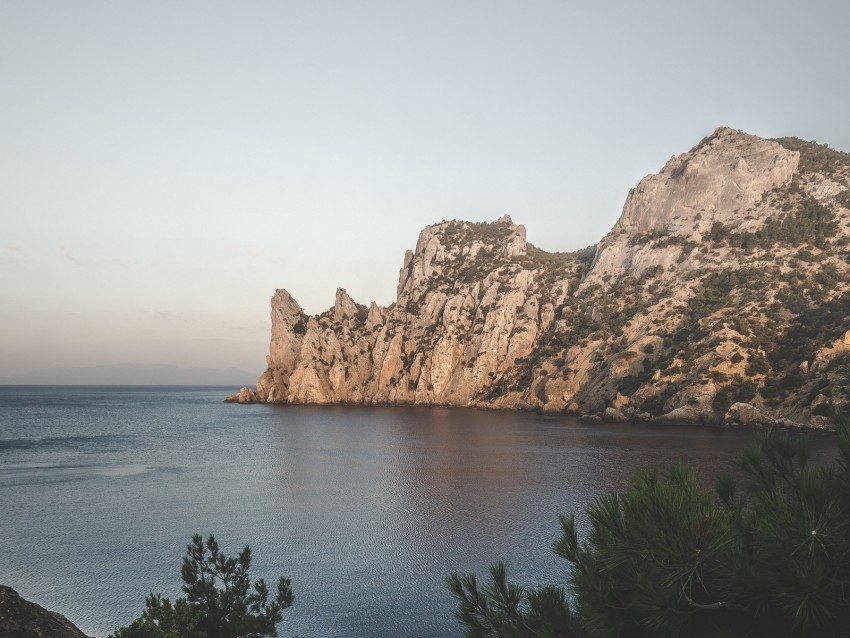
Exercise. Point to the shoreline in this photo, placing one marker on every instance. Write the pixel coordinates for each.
(697, 419)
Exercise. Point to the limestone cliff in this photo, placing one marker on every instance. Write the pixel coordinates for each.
(719, 181)
(469, 305)
(721, 293)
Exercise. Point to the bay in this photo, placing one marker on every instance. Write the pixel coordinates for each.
(366, 509)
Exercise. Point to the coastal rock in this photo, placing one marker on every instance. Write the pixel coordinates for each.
(746, 415)
(454, 328)
(613, 415)
(620, 402)
(245, 395)
(684, 415)
(688, 415)
(555, 406)
(287, 325)
(685, 308)
(20, 618)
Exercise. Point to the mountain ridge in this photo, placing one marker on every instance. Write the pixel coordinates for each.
(718, 296)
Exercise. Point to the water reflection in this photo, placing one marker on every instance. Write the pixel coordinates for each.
(397, 498)
(367, 510)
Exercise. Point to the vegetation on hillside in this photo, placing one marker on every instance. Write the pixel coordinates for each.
(817, 158)
(811, 223)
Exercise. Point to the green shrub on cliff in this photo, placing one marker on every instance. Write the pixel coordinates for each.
(816, 158)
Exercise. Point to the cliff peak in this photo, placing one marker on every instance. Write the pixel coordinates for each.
(721, 180)
(458, 250)
(344, 306)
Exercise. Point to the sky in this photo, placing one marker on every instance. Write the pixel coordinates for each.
(165, 166)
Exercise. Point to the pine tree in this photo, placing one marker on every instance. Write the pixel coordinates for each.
(219, 601)
(667, 558)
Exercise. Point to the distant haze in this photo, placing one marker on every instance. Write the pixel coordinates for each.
(166, 166)
(133, 375)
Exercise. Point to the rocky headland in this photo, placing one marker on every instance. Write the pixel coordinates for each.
(720, 296)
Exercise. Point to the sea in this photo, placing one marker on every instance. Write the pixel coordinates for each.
(366, 509)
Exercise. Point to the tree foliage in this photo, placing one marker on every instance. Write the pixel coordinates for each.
(220, 600)
(507, 610)
(811, 223)
(668, 558)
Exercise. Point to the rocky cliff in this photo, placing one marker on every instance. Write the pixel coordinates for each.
(720, 294)
(20, 618)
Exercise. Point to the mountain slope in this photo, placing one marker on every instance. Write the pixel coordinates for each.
(721, 293)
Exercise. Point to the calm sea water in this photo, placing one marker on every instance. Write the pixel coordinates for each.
(367, 510)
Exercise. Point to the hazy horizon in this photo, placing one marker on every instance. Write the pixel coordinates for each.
(134, 375)
(168, 166)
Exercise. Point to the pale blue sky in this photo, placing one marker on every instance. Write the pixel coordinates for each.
(167, 165)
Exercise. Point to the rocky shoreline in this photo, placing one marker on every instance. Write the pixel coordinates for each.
(740, 415)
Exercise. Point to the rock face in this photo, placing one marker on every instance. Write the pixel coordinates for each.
(245, 395)
(719, 181)
(723, 284)
(22, 619)
(465, 313)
